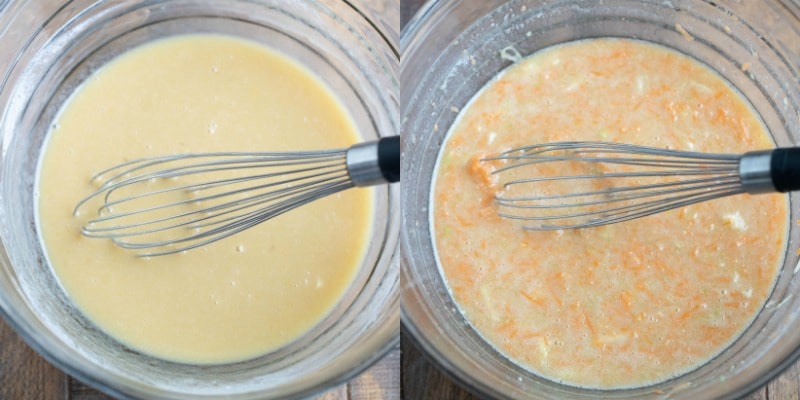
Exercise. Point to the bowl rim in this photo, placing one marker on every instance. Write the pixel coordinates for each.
(381, 340)
(429, 12)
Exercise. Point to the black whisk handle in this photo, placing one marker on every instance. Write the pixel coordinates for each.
(785, 169)
(375, 162)
(389, 158)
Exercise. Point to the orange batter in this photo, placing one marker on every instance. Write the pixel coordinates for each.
(622, 305)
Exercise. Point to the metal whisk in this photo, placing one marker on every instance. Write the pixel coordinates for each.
(583, 184)
(168, 204)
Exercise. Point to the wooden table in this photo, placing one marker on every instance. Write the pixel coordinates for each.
(423, 380)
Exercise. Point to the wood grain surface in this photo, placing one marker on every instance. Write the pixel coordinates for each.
(421, 380)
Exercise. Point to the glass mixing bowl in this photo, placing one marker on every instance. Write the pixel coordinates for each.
(452, 48)
(49, 47)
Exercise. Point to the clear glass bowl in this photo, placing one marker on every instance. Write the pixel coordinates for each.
(49, 47)
(452, 48)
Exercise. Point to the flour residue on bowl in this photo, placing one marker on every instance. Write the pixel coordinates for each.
(622, 305)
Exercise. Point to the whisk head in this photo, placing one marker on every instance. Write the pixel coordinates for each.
(567, 185)
(169, 204)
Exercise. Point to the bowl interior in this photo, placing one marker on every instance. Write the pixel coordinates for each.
(453, 50)
(338, 43)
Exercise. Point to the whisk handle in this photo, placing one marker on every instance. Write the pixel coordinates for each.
(785, 169)
(374, 163)
(389, 158)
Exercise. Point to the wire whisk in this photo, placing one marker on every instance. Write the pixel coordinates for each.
(168, 204)
(565, 185)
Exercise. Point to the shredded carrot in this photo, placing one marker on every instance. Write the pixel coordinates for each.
(626, 298)
(532, 299)
(631, 303)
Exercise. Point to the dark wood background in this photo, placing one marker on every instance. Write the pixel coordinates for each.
(423, 380)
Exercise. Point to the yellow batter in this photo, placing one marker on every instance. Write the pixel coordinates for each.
(234, 299)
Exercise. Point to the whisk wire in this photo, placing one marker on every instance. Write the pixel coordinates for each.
(195, 188)
(615, 182)
(235, 208)
(223, 158)
(523, 160)
(579, 147)
(616, 194)
(618, 175)
(169, 204)
(654, 207)
(240, 223)
(242, 204)
(129, 176)
(607, 213)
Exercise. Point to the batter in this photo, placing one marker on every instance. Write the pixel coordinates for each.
(616, 306)
(235, 299)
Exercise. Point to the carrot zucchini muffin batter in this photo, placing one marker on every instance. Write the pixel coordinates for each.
(621, 305)
(234, 299)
